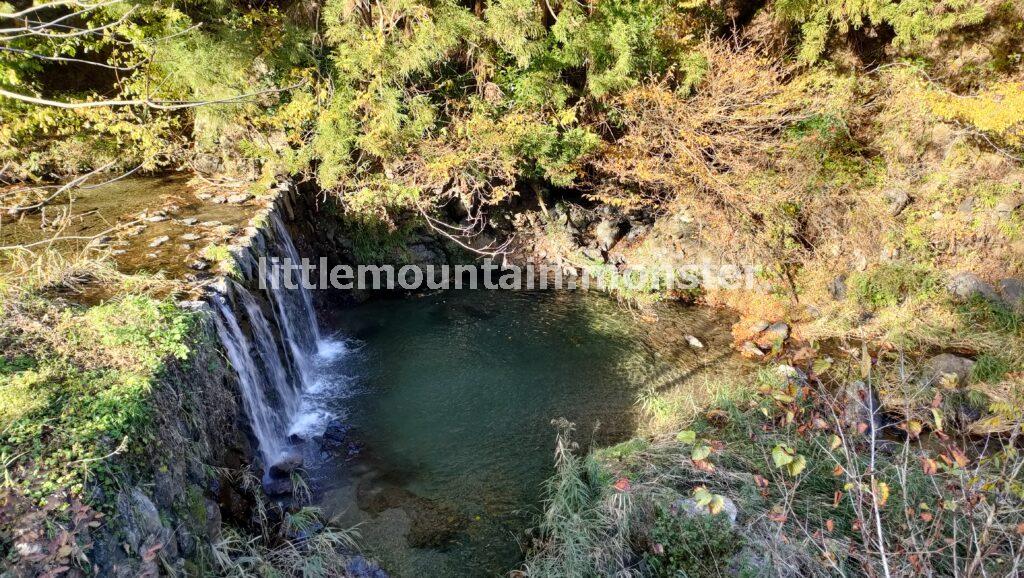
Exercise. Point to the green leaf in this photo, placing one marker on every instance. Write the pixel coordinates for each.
(821, 365)
(702, 496)
(782, 455)
(798, 465)
(686, 436)
(700, 452)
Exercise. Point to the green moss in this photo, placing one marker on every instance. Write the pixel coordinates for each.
(64, 418)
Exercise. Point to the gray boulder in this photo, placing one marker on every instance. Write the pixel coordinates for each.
(608, 232)
(287, 464)
(966, 286)
(1013, 292)
(690, 508)
(947, 364)
(837, 288)
(144, 531)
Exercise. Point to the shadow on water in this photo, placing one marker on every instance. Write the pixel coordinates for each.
(450, 399)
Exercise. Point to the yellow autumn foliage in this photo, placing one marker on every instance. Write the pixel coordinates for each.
(997, 111)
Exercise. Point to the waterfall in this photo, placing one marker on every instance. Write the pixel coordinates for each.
(273, 354)
(265, 421)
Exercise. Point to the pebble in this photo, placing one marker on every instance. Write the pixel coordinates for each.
(157, 218)
(191, 237)
(694, 342)
(159, 241)
(189, 221)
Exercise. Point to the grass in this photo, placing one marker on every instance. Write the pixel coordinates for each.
(860, 503)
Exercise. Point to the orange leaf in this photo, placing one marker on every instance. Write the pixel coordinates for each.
(622, 485)
(959, 456)
(830, 525)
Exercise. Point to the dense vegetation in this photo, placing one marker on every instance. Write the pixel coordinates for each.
(861, 153)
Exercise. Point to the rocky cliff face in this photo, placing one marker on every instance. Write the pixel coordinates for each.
(177, 508)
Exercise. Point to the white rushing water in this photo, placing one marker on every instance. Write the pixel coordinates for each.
(276, 356)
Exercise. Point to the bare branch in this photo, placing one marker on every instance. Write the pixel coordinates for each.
(66, 59)
(48, 5)
(154, 104)
(69, 185)
(37, 30)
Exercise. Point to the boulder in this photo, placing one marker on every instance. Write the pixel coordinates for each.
(285, 465)
(1012, 291)
(276, 487)
(837, 287)
(862, 406)
(947, 364)
(748, 349)
(335, 436)
(1007, 205)
(965, 286)
(360, 567)
(608, 232)
(772, 335)
(144, 531)
(690, 508)
(898, 200)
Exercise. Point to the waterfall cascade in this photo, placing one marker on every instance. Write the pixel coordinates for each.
(271, 341)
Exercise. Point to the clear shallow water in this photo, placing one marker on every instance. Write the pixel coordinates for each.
(451, 398)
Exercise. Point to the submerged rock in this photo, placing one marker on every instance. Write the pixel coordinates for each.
(159, 241)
